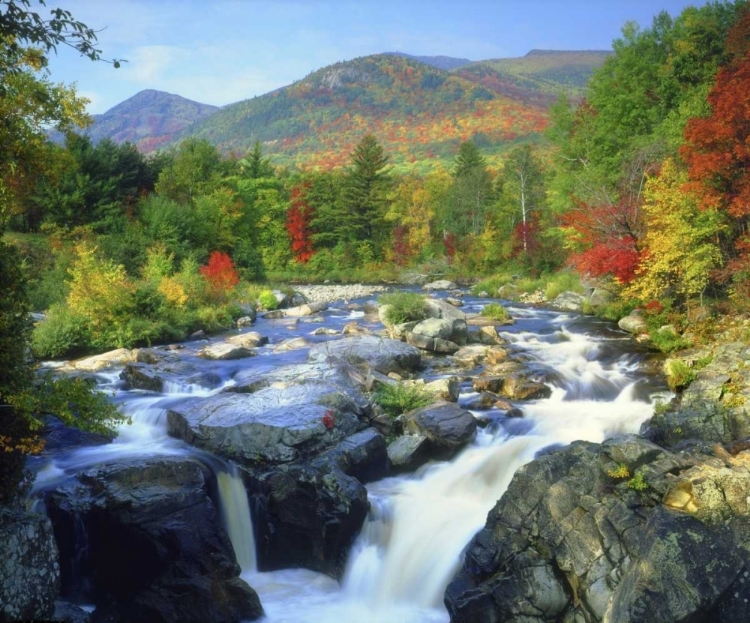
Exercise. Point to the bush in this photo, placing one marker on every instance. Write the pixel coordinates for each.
(679, 375)
(267, 300)
(564, 281)
(63, 333)
(496, 312)
(403, 307)
(400, 398)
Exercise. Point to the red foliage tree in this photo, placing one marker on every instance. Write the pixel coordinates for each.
(298, 218)
(400, 245)
(449, 242)
(220, 273)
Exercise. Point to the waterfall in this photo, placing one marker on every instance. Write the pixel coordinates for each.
(235, 511)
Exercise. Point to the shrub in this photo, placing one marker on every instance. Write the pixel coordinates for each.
(679, 375)
(267, 300)
(562, 282)
(496, 312)
(400, 398)
(637, 482)
(220, 274)
(64, 332)
(403, 307)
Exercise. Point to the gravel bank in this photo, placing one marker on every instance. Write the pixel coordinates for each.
(331, 293)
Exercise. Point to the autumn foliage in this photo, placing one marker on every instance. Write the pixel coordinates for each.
(220, 273)
(298, 218)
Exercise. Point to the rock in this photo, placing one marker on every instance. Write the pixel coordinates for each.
(197, 335)
(381, 354)
(408, 452)
(456, 302)
(446, 389)
(431, 344)
(354, 328)
(325, 331)
(447, 427)
(270, 426)
(509, 292)
(496, 355)
(489, 335)
(518, 387)
(434, 327)
(469, 357)
(274, 314)
(435, 308)
(308, 517)
(634, 323)
(400, 331)
(154, 547)
(569, 301)
(483, 402)
(440, 284)
(105, 360)
(375, 379)
(169, 372)
(362, 456)
(295, 343)
(58, 436)
(29, 567)
(492, 384)
(244, 321)
(224, 351)
(66, 612)
(600, 298)
(308, 309)
(251, 339)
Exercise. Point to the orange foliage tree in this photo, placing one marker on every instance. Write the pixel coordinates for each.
(220, 273)
(298, 222)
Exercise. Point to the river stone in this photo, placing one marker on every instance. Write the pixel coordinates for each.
(66, 612)
(244, 321)
(569, 301)
(633, 323)
(105, 360)
(143, 541)
(307, 516)
(251, 339)
(483, 402)
(408, 452)
(436, 308)
(224, 351)
(29, 567)
(492, 384)
(308, 309)
(271, 425)
(295, 343)
(447, 427)
(362, 456)
(470, 356)
(447, 389)
(509, 292)
(440, 284)
(354, 328)
(456, 302)
(518, 387)
(325, 331)
(382, 354)
(175, 372)
(489, 335)
(434, 327)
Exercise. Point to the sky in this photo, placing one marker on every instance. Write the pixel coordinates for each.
(223, 51)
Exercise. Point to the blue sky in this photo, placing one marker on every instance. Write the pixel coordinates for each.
(223, 51)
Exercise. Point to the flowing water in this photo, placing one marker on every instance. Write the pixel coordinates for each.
(418, 525)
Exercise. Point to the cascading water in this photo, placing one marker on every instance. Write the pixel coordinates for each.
(418, 526)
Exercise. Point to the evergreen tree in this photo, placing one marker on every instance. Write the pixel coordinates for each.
(254, 165)
(468, 159)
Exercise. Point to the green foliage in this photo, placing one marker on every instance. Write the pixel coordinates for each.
(496, 312)
(403, 307)
(619, 472)
(267, 300)
(62, 332)
(401, 398)
(679, 374)
(637, 482)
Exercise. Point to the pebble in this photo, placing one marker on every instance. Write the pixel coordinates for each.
(331, 293)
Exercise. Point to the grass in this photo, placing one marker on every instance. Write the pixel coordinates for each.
(403, 307)
(551, 284)
(399, 398)
(496, 312)
(679, 374)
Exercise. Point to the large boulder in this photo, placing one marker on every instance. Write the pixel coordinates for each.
(224, 351)
(363, 456)
(408, 452)
(591, 533)
(447, 427)
(272, 425)
(143, 541)
(168, 373)
(29, 568)
(437, 308)
(308, 309)
(634, 323)
(440, 284)
(106, 360)
(569, 301)
(381, 354)
(307, 516)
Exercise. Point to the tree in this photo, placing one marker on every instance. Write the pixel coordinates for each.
(365, 196)
(254, 165)
(523, 185)
(298, 222)
(468, 159)
(196, 169)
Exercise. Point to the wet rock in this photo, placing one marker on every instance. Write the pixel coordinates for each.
(492, 384)
(296, 343)
(110, 359)
(436, 308)
(354, 328)
(197, 335)
(251, 339)
(308, 517)
(434, 327)
(381, 354)
(447, 427)
(244, 321)
(58, 436)
(400, 331)
(489, 335)
(483, 402)
(509, 292)
(469, 357)
(518, 387)
(440, 284)
(446, 389)
(156, 378)
(362, 456)
(569, 301)
(66, 612)
(274, 314)
(154, 548)
(324, 331)
(29, 567)
(456, 302)
(408, 452)
(272, 425)
(308, 309)
(224, 351)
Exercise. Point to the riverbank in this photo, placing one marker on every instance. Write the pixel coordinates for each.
(331, 293)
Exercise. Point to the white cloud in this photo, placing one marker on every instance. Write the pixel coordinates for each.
(152, 63)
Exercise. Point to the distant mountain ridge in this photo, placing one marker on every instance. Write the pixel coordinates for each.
(149, 119)
(419, 110)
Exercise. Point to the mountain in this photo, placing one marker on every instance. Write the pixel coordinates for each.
(417, 111)
(149, 119)
(441, 62)
(538, 77)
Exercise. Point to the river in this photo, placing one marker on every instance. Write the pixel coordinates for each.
(418, 525)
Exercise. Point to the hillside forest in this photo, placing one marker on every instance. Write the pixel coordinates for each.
(641, 184)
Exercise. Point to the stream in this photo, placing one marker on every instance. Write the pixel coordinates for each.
(418, 524)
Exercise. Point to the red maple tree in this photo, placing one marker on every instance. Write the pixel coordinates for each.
(298, 218)
(220, 273)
